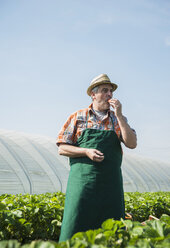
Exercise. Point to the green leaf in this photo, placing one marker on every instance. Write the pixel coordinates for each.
(108, 224)
(90, 236)
(36, 210)
(100, 238)
(158, 226)
(2, 206)
(22, 221)
(54, 222)
(166, 230)
(128, 223)
(54, 199)
(137, 231)
(165, 218)
(78, 235)
(10, 244)
(17, 213)
(144, 243)
(127, 197)
(150, 232)
(42, 244)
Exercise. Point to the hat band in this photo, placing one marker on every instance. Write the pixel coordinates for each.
(107, 81)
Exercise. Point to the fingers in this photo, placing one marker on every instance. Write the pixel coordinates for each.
(98, 156)
(116, 105)
(114, 101)
(95, 155)
(99, 153)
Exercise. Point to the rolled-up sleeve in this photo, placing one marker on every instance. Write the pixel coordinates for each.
(121, 138)
(67, 132)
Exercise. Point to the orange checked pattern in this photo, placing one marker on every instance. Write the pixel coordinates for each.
(86, 118)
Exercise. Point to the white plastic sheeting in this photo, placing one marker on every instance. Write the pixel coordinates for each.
(31, 164)
(145, 175)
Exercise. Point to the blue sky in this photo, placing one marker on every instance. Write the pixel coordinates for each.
(51, 50)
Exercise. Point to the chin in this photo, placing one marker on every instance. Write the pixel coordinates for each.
(106, 108)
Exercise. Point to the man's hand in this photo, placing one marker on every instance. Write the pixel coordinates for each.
(128, 135)
(75, 152)
(95, 155)
(117, 106)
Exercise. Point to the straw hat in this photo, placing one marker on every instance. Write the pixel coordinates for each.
(101, 79)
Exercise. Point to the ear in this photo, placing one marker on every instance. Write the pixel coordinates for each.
(93, 96)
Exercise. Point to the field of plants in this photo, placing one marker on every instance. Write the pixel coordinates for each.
(33, 221)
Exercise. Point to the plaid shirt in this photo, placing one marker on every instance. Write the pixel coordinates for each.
(86, 118)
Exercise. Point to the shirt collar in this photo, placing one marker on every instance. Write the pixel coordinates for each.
(91, 111)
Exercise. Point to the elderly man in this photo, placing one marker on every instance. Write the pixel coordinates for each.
(92, 138)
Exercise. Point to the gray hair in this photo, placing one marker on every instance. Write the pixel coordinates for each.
(94, 90)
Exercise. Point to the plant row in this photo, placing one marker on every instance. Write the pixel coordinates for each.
(33, 217)
(119, 234)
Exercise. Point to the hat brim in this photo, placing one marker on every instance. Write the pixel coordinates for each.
(100, 83)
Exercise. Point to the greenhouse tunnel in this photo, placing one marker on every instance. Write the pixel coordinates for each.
(31, 164)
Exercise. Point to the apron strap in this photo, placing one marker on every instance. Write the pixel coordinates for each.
(87, 119)
(112, 122)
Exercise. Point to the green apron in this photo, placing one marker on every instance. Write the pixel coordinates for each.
(95, 189)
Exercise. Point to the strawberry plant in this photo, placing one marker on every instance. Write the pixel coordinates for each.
(119, 234)
(27, 218)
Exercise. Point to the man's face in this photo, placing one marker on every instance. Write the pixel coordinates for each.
(100, 99)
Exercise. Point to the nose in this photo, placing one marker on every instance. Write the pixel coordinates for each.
(110, 93)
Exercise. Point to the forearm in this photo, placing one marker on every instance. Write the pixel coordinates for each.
(72, 151)
(128, 135)
(75, 152)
